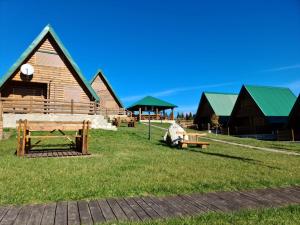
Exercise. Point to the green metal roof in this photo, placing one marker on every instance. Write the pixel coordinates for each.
(221, 103)
(272, 101)
(48, 30)
(151, 101)
(101, 74)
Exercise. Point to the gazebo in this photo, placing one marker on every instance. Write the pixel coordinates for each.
(154, 105)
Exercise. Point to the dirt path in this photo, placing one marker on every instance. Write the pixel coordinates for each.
(241, 145)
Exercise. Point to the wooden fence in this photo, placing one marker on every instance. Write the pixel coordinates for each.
(52, 106)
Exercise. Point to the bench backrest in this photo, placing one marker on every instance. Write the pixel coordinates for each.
(54, 125)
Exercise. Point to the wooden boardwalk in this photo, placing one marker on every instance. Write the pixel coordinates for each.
(145, 208)
(56, 153)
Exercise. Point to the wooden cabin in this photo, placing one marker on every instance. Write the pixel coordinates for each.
(294, 119)
(49, 77)
(261, 110)
(219, 104)
(108, 97)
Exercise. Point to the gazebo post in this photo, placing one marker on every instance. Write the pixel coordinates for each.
(140, 114)
(157, 114)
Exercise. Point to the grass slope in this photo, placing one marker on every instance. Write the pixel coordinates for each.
(125, 163)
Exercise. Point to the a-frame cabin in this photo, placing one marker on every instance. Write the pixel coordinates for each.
(109, 99)
(261, 110)
(212, 103)
(55, 75)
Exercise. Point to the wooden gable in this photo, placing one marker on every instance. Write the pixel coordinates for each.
(108, 98)
(54, 71)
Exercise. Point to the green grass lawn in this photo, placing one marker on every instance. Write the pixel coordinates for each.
(125, 163)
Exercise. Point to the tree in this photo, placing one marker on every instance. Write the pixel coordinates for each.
(190, 116)
(214, 121)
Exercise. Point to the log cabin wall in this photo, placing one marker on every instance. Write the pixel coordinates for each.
(246, 117)
(107, 99)
(53, 77)
(204, 115)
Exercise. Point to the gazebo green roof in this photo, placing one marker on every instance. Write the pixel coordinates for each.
(150, 101)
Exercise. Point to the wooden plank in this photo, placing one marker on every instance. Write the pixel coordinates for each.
(273, 197)
(84, 212)
(202, 200)
(197, 203)
(150, 211)
(176, 207)
(258, 199)
(137, 209)
(49, 214)
(189, 205)
(96, 212)
(10, 216)
(3, 211)
(233, 203)
(218, 202)
(285, 193)
(106, 210)
(23, 215)
(121, 216)
(168, 208)
(61, 213)
(73, 213)
(157, 208)
(131, 215)
(36, 214)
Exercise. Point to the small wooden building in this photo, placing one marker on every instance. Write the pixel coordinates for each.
(108, 97)
(211, 103)
(155, 105)
(49, 73)
(294, 119)
(261, 110)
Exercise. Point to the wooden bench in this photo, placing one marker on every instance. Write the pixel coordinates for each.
(193, 139)
(131, 121)
(25, 135)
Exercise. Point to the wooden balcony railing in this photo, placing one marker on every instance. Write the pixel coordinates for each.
(52, 106)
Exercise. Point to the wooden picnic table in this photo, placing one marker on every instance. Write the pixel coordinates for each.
(26, 128)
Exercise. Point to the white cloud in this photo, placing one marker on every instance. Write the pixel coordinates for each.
(174, 91)
(283, 68)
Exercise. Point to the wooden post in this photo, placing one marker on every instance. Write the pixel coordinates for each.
(140, 114)
(228, 131)
(293, 135)
(172, 115)
(157, 114)
(72, 106)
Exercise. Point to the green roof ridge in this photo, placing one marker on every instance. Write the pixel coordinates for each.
(99, 71)
(34, 44)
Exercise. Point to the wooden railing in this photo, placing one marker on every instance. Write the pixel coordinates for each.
(53, 106)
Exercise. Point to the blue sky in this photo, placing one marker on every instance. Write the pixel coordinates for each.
(170, 49)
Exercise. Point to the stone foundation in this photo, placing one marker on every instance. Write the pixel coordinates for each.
(97, 121)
